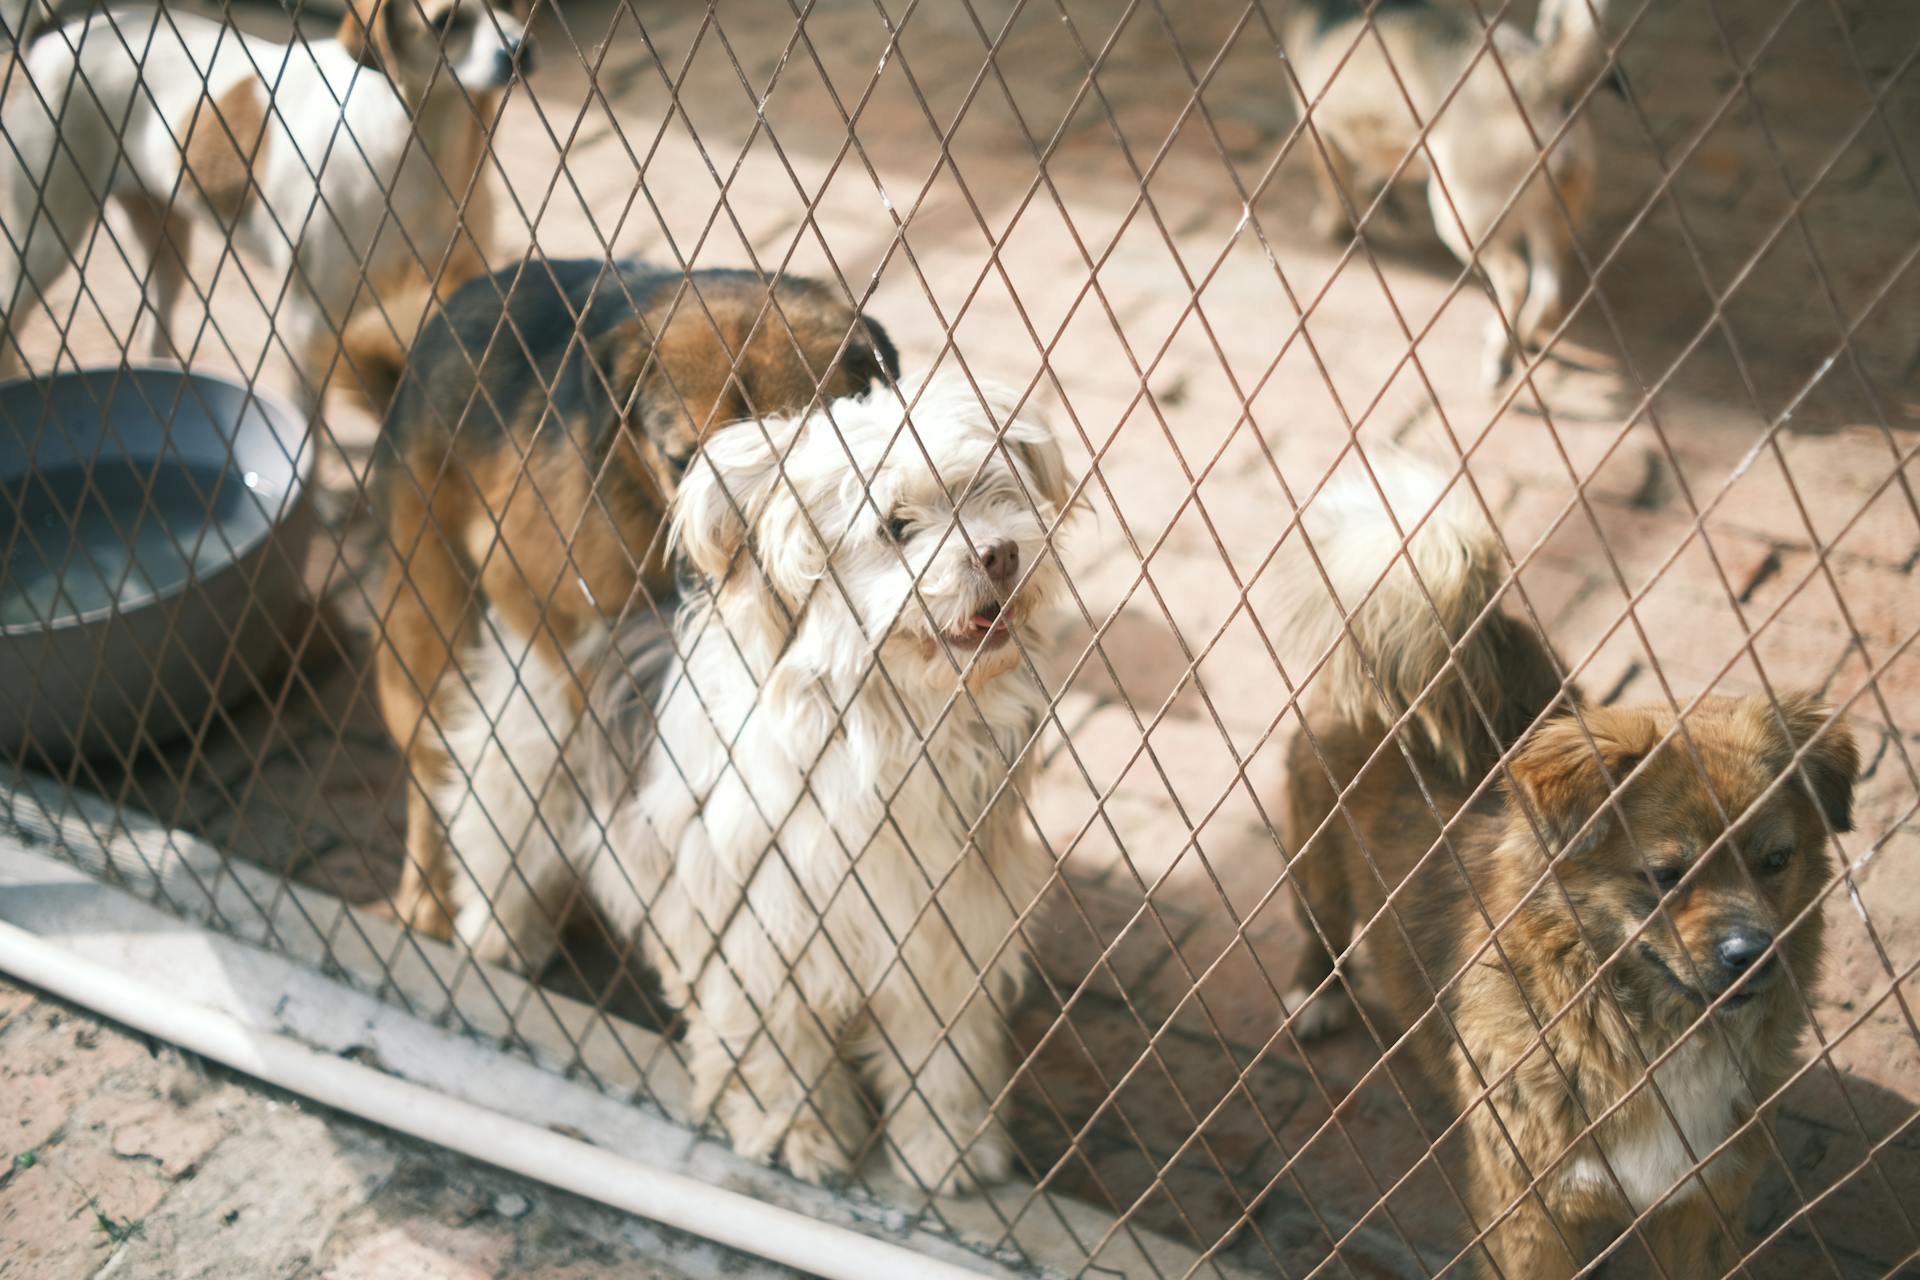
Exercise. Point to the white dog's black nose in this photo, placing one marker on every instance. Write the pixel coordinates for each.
(1001, 560)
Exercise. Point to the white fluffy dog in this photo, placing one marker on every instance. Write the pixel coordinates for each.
(806, 800)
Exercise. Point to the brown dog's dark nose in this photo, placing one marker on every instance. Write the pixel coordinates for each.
(1739, 948)
(1001, 560)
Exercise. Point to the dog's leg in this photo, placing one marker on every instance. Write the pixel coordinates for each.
(424, 900)
(1322, 903)
(1686, 1235)
(1507, 273)
(42, 225)
(1550, 228)
(1528, 1243)
(1500, 259)
(765, 1039)
(940, 1088)
(515, 808)
(1319, 1008)
(515, 884)
(1333, 175)
(163, 244)
(426, 618)
(1687, 1238)
(1548, 256)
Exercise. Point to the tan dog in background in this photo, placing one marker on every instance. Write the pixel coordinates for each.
(351, 168)
(1681, 916)
(1379, 72)
(538, 434)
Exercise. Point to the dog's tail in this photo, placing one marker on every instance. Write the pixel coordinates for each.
(1573, 48)
(1404, 619)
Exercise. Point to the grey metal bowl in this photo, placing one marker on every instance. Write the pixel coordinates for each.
(153, 525)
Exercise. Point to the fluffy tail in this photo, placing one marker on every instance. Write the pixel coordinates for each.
(1388, 647)
(1573, 49)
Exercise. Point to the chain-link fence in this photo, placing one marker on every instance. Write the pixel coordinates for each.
(980, 596)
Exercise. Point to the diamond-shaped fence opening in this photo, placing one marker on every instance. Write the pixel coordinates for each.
(1207, 638)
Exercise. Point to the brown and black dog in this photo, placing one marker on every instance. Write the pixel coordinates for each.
(1645, 894)
(532, 446)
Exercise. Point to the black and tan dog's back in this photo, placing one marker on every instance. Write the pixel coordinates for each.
(530, 452)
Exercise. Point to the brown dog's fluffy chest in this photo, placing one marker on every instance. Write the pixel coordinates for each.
(1578, 1106)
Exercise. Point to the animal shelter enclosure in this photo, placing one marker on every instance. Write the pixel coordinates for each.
(1690, 472)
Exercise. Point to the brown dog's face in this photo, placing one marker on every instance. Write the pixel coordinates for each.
(1722, 909)
(477, 45)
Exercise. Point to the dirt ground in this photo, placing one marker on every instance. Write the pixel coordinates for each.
(1719, 491)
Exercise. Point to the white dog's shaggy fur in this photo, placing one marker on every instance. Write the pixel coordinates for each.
(807, 803)
(350, 168)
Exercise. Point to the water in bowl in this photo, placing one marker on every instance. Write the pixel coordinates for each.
(77, 538)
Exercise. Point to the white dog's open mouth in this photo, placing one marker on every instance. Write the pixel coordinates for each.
(988, 628)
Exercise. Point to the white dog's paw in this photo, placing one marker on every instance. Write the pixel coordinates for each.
(1317, 1017)
(828, 1132)
(814, 1152)
(816, 1141)
(751, 1131)
(925, 1159)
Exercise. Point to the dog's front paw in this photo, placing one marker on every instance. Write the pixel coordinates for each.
(925, 1159)
(499, 937)
(417, 906)
(816, 1141)
(815, 1151)
(1317, 1017)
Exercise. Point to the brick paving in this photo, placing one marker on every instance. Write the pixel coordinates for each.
(124, 1158)
(1790, 552)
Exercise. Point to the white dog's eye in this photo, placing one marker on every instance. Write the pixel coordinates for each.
(898, 528)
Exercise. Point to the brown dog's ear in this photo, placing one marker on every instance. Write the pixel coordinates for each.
(366, 33)
(1830, 763)
(1558, 771)
(611, 368)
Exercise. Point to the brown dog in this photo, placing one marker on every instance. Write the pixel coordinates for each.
(533, 444)
(1679, 917)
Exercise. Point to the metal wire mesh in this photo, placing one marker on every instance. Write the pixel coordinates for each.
(1700, 481)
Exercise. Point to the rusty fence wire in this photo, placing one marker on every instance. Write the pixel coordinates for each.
(1628, 286)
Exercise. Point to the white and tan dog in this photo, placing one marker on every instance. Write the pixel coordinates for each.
(350, 167)
(806, 800)
(1375, 71)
